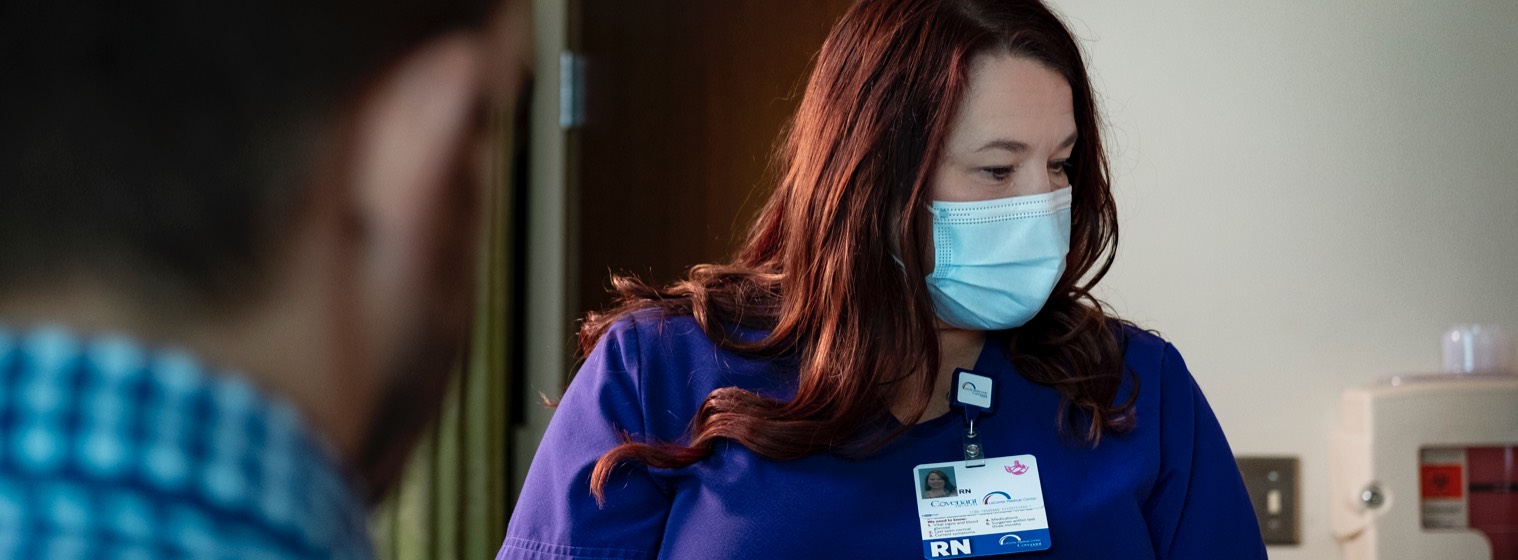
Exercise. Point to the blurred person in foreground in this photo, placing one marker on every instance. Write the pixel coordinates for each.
(236, 248)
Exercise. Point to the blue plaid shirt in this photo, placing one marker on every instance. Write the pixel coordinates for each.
(110, 450)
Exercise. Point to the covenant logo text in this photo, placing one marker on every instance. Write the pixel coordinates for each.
(954, 503)
(968, 387)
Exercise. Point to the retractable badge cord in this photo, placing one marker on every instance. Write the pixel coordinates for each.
(973, 392)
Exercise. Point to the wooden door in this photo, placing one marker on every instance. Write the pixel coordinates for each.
(684, 102)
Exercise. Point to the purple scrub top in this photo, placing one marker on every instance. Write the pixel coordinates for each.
(1167, 489)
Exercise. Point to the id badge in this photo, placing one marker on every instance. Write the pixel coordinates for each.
(967, 511)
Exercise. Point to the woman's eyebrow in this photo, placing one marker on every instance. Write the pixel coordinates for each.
(1004, 144)
(1017, 147)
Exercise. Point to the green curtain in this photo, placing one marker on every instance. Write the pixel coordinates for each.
(452, 502)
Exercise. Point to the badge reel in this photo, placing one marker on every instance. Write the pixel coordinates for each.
(987, 511)
(972, 392)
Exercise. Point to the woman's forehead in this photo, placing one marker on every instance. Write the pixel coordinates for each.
(1013, 100)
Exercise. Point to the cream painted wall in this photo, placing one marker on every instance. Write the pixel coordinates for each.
(1310, 193)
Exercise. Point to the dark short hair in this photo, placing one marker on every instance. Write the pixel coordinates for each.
(171, 136)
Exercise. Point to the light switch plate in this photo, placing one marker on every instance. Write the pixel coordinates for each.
(1274, 490)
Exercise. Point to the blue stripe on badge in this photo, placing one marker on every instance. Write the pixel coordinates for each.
(985, 545)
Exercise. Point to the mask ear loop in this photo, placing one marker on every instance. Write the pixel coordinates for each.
(901, 217)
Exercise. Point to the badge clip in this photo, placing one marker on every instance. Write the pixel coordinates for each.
(975, 455)
(973, 393)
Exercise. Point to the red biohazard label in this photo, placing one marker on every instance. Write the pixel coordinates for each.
(1442, 481)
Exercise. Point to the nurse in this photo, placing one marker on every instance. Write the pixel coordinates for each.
(915, 296)
(937, 485)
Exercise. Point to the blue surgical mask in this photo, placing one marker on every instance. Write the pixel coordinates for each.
(995, 262)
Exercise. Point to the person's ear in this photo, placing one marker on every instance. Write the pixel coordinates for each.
(412, 186)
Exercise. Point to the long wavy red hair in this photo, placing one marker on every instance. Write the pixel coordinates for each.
(817, 270)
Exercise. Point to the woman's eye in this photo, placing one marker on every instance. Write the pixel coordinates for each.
(997, 174)
(1060, 167)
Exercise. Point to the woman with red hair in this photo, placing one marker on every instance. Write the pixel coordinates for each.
(915, 294)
